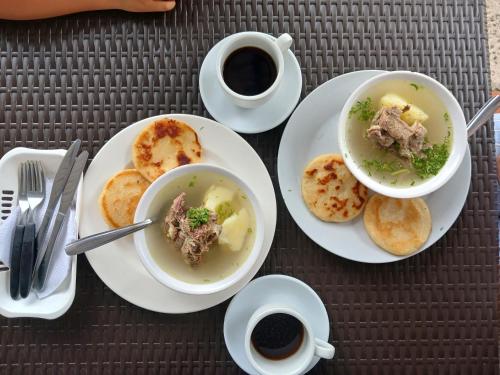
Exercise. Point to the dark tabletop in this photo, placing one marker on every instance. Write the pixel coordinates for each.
(90, 75)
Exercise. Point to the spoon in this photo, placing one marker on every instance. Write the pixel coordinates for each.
(483, 115)
(96, 240)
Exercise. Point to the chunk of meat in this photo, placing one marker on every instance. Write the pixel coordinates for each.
(387, 128)
(192, 242)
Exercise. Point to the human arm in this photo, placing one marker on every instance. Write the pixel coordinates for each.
(38, 9)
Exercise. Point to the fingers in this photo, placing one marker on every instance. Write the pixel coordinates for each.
(147, 5)
(162, 6)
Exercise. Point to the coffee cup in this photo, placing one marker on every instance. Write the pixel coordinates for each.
(250, 67)
(278, 340)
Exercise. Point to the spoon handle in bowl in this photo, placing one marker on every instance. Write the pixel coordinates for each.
(96, 240)
(483, 115)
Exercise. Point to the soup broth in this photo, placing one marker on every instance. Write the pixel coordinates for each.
(219, 262)
(385, 165)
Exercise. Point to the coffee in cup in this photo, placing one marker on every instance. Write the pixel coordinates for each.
(278, 340)
(250, 67)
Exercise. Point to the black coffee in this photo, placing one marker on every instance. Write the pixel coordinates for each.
(278, 336)
(249, 71)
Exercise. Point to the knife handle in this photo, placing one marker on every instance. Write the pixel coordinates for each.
(27, 256)
(15, 260)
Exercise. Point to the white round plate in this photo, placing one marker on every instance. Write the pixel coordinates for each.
(255, 120)
(276, 289)
(311, 131)
(118, 264)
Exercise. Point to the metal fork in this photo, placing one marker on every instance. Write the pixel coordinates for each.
(35, 182)
(17, 239)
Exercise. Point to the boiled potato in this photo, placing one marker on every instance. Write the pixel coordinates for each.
(217, 195)
(235, 230)
(411, 116)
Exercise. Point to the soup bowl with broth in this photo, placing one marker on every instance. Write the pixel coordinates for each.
(229, 258)
(402, 134)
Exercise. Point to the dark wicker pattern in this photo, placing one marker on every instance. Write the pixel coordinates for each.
(91, 75)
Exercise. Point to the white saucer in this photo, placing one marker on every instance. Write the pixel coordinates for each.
(320, 110)
(274, 289)
(118, 264)
(256, 120)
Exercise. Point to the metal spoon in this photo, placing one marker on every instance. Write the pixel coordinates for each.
(483, 115)
(96, 240)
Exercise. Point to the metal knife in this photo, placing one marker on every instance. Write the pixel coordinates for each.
(60, 180)
(41, 268)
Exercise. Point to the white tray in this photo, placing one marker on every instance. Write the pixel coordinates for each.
(59, 302)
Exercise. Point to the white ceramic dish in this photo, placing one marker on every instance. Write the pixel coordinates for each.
(171, 281)
(457, 122)
(118, 264)
(320, 110)
(246, 120)
(60, 301)
(275, 49)
(272, 289)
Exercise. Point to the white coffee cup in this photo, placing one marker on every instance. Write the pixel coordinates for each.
(297, 362)
(274, 47)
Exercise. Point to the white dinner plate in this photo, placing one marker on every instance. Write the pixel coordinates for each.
(311, 131)
(117, 263)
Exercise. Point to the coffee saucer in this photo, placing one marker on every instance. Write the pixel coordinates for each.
(275, 289)
(245, 120)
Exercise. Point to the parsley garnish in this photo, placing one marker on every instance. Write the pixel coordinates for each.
(415, 86)
(446, 117)
(198, 216)
(434, 159)
(383, 166)
(363, 110)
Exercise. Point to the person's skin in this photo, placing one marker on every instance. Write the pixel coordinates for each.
(37, 9)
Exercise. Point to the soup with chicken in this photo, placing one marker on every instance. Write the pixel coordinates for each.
(207, 229)
(399, 133)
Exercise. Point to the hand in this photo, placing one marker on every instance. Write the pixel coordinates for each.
(146, 5)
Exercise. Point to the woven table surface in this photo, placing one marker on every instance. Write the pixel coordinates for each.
(91, 75)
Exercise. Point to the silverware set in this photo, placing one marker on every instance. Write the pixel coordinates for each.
(31, 194)
(32, 247)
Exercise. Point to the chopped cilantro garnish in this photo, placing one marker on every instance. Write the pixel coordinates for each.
(363, 110)
(433, 160)
(412, 183)
(382, 166)
(198, 216)
(446, 117)
(249, 230)
(223, 211)
(191, 183)
(400, 171)
(415, 86)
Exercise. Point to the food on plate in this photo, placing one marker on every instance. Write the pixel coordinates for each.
(120, 196)
(410, 112)
(400, 133)
(399, 226)
(208, 229)
(330, 191)
(193, 230)
(163, 145)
